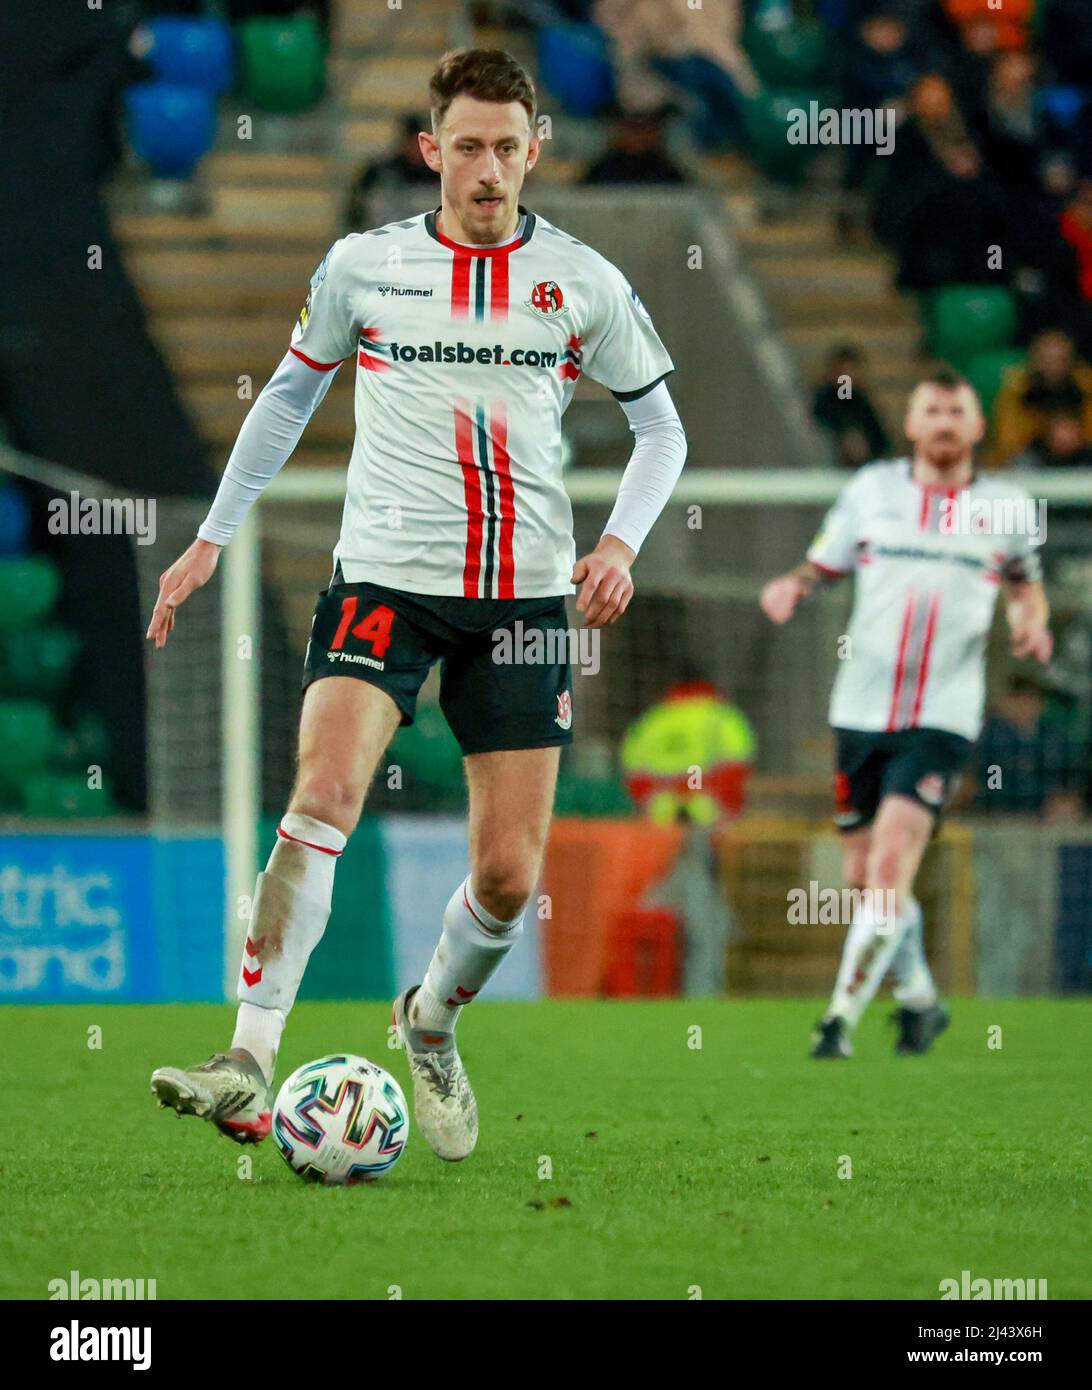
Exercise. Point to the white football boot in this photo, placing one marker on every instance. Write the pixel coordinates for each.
(443, 1103)
(229, 1089)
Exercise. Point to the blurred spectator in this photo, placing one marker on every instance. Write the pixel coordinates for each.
(1076, 228)
(383, 177)
(1008, 22)
(844, 410)
(877, 63)
(697, 51)
(635, 153)
(1067, 40)
(1054, 382)
(1027, 761)
(1062, 444)
(938, 209)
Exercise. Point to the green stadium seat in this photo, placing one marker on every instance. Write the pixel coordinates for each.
(964, 321)
(57, 795)
(986, 372)
(789, 57)
(37, 661)
(427, 751)
(84, 744)
(29, 585)
(27, 732)
(766, 122)
(592, 796)
(283, 62)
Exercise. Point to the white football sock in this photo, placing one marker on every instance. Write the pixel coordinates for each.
(291, 908)
(871, 943)
(914, 985)
(471, 947)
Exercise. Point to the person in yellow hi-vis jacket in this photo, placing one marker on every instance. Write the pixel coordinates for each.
(686, 761)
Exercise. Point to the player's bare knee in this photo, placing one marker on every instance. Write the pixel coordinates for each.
(503, 889)
(328, 798)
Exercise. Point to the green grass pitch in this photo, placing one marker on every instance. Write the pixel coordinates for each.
(672, 1166)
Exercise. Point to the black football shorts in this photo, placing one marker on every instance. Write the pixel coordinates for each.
(922, 764)
(500, 686)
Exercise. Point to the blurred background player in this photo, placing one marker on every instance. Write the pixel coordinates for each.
(456, 528)
(908, 700)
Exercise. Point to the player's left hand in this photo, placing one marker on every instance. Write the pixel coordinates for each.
(1032, 640)
(606, 587)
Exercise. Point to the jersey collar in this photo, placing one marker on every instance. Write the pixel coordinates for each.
(506, 250)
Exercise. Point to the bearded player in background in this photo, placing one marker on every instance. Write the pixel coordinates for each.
(907, 704)
(467, 329)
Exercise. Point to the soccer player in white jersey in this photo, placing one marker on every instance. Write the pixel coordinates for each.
(467, 331)
(930, 543)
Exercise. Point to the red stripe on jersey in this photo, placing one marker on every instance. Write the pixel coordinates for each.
(374, 364)
(498, 290)
(506, 587)
(900, 664)
(460, 285)
(472, 491)
(923, 520)
(318, 366)
(826, 569)
(923, 666)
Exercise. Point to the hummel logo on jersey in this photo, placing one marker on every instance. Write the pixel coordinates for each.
(547, 299)
(496, 356)
(414, 291)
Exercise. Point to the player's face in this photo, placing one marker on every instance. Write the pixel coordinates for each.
(482, 153)
(943, 424)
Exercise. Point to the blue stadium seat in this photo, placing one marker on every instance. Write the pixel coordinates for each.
(192, 52)
(14, 521)
(171, 127)
(573, 61)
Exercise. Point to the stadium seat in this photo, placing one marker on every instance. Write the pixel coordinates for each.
(29, 586)
(192, 52)
(1063, 104)
(171, 127)
(14, 520)
(26, 737)
(788, 57)
(766, 121)
(572, 59)
(427, 751)
(964, 321)
(55, 795)
(85, 743)
(283, 62)
(37, 660)
(986, 372)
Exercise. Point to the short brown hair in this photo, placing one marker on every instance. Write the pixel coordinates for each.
(488, 74)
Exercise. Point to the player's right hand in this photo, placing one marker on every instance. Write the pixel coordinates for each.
(780, 597)
(188, 572)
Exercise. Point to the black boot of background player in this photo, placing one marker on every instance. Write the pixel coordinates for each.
(918, 1028)
(831, 1039)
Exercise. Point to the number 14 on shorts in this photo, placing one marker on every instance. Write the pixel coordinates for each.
(374, 627)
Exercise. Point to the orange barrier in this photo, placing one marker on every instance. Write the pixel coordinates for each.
(594, 874)
(643, 955)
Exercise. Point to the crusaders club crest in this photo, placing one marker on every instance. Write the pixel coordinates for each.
(547, 299)
(564, 710)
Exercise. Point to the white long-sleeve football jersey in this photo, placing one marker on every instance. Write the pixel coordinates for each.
(927, 564)
(466, 359)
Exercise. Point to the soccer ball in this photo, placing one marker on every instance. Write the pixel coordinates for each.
(340, 1120)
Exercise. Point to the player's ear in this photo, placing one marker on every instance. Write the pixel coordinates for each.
(430, 150)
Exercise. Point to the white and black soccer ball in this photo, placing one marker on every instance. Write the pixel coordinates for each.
(340, 1120)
